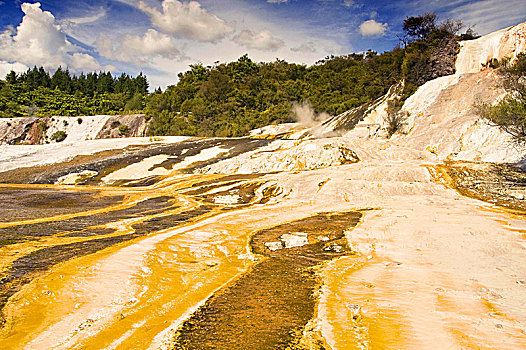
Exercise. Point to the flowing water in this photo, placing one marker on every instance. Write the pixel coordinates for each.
(268, 307)
(170, 259)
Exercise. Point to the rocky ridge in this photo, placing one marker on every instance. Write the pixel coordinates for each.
(34, 131)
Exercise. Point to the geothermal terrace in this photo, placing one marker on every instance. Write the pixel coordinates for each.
(346, 240)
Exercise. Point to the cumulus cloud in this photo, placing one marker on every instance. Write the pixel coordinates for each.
(264, 40)
(373, 28)
(6, 67)
(38, 40)
(138, 49)
(307, 47)
(83, 61)
(187, 20)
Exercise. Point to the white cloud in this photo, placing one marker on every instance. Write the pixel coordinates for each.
(101, 12)
(6, 67)
(264, 40)
(277, 1)
(84, 61)
(39, 41)
(187, 20)
(489, 15)
(348, 3)
(306, 47)
(373, 28)
(138, 49)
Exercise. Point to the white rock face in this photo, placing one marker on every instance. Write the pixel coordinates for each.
(25, 130)
(286, 155)
(297, 239)
(443, 120)
(374, 122)
(73, 178)
(426, 95)
(202, 156)
(144, 168)
(88, 129)
(503, 43)
(227, 199)
(485, 142)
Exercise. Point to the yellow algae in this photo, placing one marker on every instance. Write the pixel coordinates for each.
(13, 252)
(408, 286)
(161, 287)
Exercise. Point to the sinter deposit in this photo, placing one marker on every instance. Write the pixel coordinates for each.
(327, 235)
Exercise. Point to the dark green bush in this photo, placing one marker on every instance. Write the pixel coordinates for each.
(123, 130)
(59, 136)
(510, 113)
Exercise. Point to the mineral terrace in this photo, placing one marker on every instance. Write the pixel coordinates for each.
(282, 240)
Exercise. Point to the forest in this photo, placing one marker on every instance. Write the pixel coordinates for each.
(230, 99)
(37, 93)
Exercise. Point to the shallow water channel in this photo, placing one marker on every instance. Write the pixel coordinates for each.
(269, 307)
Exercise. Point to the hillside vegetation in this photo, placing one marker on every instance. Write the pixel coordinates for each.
(39, 94)
(230, 99)
(510, 113)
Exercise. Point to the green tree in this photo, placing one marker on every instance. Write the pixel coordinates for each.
(510, 113)
(420, 27)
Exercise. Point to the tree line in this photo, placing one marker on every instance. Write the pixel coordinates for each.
(38, 93)
(230, 99)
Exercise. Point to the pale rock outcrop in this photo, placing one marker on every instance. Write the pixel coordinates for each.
(296, 239)
(373, 121)
(14, 130)
(135, 126)
(485, 142)
(31, 130)
(286, 155)
(474, 54)
(74, 178)
(444, 121)
(441, 115)
(76, 128)
(147, 167)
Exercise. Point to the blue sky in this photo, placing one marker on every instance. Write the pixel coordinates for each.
(163, 37)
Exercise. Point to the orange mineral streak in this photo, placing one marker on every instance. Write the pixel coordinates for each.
(126, 295)
(134, 294)
(426, 276)
(431, 269)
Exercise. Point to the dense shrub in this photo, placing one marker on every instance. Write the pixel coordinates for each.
(59, 136)
(395, 118)
(123, 130)
(510, 113)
